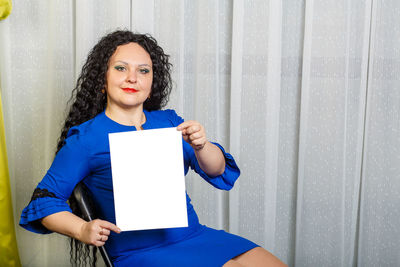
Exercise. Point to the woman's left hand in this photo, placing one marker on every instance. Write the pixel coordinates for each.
(193, 133)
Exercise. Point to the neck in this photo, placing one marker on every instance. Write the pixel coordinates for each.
(132, 117)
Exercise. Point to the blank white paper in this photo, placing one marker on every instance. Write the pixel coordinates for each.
(148, 179)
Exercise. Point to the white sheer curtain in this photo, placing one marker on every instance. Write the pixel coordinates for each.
(305, 94)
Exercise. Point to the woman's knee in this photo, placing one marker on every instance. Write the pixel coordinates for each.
(233, 263)
(258, 257)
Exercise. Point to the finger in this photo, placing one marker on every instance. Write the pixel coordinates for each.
(105, 232)
(186, 138)
(104, 238)
(96, 240)
(193, 129)
(196, 135)
(184, 133)
(199, 143)
(184, 125)
(110, 226)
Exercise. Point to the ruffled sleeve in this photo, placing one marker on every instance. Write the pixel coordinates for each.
(69, 167)
(224, 181)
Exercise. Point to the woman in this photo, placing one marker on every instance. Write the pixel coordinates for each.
(123, 86)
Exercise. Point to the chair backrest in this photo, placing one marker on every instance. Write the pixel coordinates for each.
(85, 203)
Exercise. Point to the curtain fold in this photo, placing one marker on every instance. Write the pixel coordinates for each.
(331, 131)
(304, 94)
(379, 236)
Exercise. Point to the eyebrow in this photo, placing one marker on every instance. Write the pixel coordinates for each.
(140, 65)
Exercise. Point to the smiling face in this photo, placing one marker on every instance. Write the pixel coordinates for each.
(129, 77)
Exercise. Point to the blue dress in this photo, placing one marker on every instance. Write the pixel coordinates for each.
(86, 156)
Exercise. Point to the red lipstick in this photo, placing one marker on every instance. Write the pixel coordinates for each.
(130, 90)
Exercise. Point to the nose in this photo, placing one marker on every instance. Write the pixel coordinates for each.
(132, 77)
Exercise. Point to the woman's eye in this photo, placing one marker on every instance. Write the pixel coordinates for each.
(144, 71)
(120, 68)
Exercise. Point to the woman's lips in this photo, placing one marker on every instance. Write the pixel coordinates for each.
(130, 90)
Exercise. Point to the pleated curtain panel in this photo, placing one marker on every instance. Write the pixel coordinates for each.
(304, 93)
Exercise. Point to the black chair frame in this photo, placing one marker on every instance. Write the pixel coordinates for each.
(84, 199)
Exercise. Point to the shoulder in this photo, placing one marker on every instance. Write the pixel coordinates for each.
(80, 130)
(168, 115)
(85, 133)
(83, 129)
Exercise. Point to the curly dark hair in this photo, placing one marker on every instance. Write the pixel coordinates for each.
(88, 100)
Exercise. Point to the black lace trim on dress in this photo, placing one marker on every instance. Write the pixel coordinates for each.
(40, 193)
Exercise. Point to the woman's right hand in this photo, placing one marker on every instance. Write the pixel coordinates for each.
(96, 232)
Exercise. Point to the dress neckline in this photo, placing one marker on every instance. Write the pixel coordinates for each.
(127, 127)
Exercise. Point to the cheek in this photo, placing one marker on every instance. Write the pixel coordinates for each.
(146, 82)
(115, 78)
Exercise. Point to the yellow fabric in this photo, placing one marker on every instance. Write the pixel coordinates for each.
(8, 243)
(5, 8)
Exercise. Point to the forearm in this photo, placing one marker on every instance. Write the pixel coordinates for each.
(94, 232)
(210, 159)
(65, 223)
